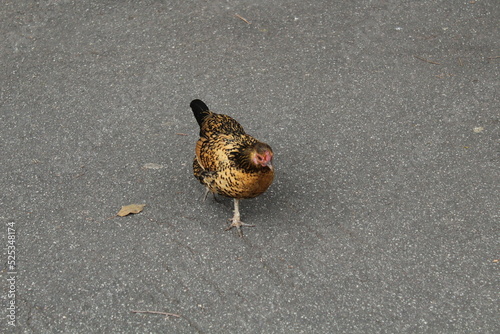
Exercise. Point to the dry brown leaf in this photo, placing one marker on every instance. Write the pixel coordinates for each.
(132, 208)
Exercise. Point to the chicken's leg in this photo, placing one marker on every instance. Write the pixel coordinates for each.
(207, 190)
(236, 222)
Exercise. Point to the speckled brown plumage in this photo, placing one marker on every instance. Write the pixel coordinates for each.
(228, 161)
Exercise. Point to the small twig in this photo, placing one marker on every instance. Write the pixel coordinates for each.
(427, 61)
(242, 18)
(156, 312)
(495, 57)
(181, 134)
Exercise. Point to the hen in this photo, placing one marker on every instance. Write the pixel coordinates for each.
(229, 162)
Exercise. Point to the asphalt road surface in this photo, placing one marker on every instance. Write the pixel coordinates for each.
(384, 119)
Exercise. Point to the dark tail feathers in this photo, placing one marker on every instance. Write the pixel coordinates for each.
(200, 110)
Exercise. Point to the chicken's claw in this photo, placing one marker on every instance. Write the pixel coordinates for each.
(238, 224)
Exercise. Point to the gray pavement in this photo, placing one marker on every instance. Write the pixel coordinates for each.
(384, 214)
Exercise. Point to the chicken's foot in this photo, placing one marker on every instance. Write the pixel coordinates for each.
(236, 222)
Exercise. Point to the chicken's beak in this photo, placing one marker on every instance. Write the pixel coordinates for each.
(270, 165)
